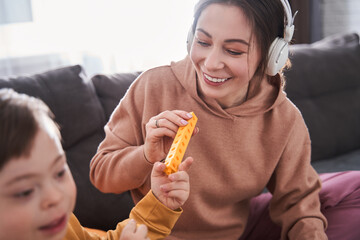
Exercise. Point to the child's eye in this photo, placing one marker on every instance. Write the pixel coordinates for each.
(24, 194)
(61, 174)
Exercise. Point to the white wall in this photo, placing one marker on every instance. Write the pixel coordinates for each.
(341, 16)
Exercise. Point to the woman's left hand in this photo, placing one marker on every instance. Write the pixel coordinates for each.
(160, 130)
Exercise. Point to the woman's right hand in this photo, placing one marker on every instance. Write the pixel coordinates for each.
(160, 126)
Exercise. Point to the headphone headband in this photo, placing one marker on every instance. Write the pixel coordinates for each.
(288, 13)
(279, 48)
(289, 27)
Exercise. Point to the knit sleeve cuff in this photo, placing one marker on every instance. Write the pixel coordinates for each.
(308, 228)
(156, 216)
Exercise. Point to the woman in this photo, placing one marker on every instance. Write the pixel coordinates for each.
(252, 137)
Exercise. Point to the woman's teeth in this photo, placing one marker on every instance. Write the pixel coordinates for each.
(216, 80)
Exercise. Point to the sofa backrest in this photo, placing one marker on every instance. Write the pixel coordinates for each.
(324, 83)
(69, 95)
(111, 88)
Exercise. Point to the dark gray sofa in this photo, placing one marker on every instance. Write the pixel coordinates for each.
(324, 83)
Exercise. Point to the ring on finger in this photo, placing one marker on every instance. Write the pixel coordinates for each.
(157, 123)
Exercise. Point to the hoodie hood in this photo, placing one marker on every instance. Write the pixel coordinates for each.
(262, 95)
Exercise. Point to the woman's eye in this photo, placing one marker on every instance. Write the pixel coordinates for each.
(235, 53)
(204, 44)
(24, 194)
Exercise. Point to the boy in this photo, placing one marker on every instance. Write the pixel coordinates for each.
(37, 191)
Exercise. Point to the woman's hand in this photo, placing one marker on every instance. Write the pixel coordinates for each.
(133, 232)
(172, 190)
(160, 126)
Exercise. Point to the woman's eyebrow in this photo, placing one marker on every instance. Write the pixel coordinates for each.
(227, 40)
(204, 32)
(237, 40)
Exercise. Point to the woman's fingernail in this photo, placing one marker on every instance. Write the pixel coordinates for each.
(189, 115)
(183, 122)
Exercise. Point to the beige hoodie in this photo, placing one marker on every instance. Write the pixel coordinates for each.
(238, 152)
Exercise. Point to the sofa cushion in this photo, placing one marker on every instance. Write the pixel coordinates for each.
(324, 83)
(69, 95)
(344, 162)
(93, 208)
(111, 88)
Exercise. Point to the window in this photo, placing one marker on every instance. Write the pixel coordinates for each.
(102, 35)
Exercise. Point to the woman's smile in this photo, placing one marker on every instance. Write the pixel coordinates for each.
(214, 81)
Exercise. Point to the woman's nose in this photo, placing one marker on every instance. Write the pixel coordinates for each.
(213, 60)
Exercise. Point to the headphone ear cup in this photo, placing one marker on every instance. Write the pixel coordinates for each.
(278, 55)
(190, 38)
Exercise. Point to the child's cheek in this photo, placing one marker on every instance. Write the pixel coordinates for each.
(17, 222)
(72, 193)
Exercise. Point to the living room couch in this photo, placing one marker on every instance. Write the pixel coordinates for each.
(323, 82)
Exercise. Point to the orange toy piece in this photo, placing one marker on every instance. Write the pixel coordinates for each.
(179, 145)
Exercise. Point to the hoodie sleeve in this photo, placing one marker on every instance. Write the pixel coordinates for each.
(295, 187)
(120, 158)
(119, 164)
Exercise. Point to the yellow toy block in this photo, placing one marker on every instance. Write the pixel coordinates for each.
(179, 145)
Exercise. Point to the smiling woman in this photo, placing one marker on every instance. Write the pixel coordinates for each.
(251, 135)
(103, 36)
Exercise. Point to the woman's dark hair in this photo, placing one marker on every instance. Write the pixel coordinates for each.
(20, 119)
(266, 17)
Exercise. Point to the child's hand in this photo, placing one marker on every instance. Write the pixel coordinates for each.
(133, 232)
(172, 190)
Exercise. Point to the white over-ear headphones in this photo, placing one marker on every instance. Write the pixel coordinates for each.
(279, 48)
